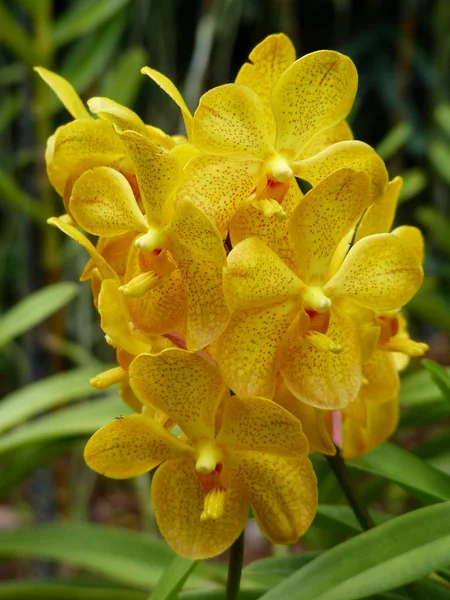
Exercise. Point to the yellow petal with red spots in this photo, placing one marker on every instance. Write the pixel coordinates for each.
(380, 379)
(345, 155)
(65, 92)
(379, 217)
(157, 173)
(339, 133)
(170, 89)
(178, 500)
(321, 378)
(115, 251)
(260, 425)
(105, 270)
(310, 417)
(103, 203)
(128, 396)
(268, 60)
(282, 491)
(162, 309)
(130, 446)
(184, 386)
(230, 120)
(324, 216)
(250, 222)
(247, 350)
(200, 256)
(115, 321)
(121, 116)
(312, 95)
(219, 185)
(381, 272)
(413, 237)
(80, 145)
(255, 276)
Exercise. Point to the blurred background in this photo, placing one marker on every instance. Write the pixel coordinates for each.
(402, 51)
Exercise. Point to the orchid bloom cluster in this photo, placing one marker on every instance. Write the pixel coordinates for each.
(252, 323)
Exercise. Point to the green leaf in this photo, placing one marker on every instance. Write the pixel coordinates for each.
(437, 226)
(440, 375)
(82, 419)
(24, 590)
(14, 37)
(121, 555)
(439, 155)
(414, 182)
(389, 556)
(173, 579)
(394, 140)
(123, 83)
(89, 57)
(431, 307)
(442, 115)
(47, 393)
(429, 590)
(405, 469)
(25, 461)
(16, 197)
(421, 400)
(342, 518)
(32, 310)
(265, 573)
(83, 17)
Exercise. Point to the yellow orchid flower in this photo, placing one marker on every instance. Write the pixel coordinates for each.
(255, 135)
(208, 478)
(269, 328)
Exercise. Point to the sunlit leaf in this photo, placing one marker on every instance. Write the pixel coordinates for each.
(125, 79)
(83, 17)
(173, 579)
(35, 308)
(389, 556)
(440, 375)
(408, 471)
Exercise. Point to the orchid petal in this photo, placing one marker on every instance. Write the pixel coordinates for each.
(130, 446)
(324, 216)
(268, 60)
(312, 95)
(184, 386)
(65, 92)
(178, 501)
(230, 120)
(381, 272)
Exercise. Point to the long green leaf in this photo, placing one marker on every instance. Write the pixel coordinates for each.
(173, 579)
(83, 18)
(25, 461)
(16, 197)
(406, 470)
(34, 309)
(440, 375)
(89, 57)
(14, 37)
(123, 83)
(47, 393)
(82, 419)
(342, 518)
(35, 590)
(389, 556)
(125, 556)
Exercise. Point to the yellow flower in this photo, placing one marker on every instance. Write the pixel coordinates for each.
(255, 135)
(251, 454)
(269, 328)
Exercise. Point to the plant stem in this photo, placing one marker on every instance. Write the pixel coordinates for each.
(235, 568)
(339, 468)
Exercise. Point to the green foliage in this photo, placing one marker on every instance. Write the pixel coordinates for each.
(403, 110)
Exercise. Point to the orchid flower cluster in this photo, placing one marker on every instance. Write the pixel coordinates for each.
(252, 323)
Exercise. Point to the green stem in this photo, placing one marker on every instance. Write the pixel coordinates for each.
(339, 469)
(235, 568)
